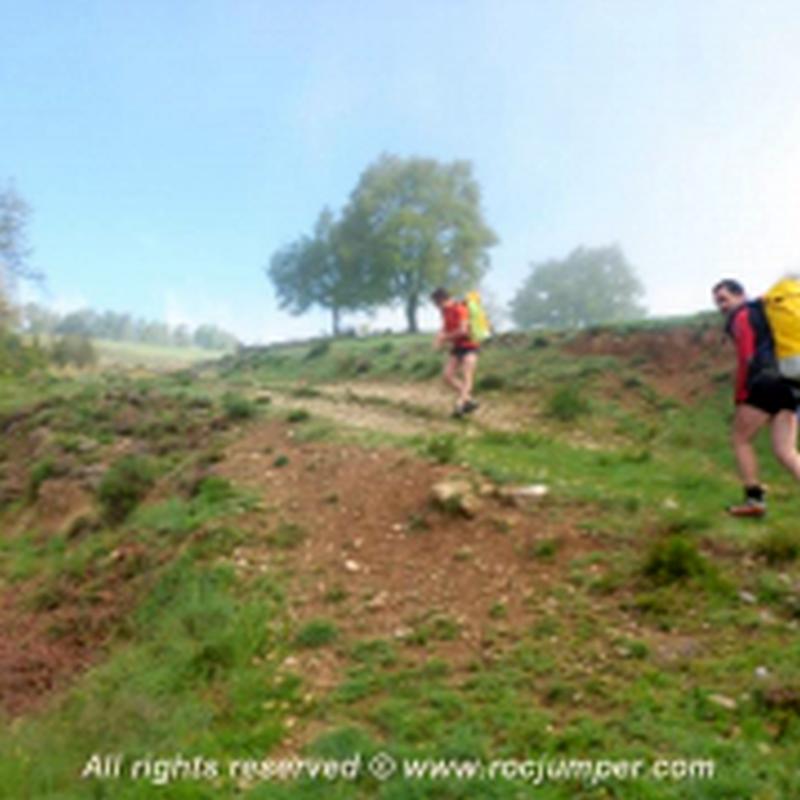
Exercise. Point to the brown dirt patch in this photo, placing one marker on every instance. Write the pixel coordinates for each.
(380, 563)
(61, 503)
(43, 648)
(678, 362)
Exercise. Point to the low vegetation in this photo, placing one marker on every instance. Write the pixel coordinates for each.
(621, 615)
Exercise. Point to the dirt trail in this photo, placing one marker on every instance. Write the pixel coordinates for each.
(401, 408)
(355, 531)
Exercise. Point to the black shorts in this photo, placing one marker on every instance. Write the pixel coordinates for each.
(772, 394)
(460, 352)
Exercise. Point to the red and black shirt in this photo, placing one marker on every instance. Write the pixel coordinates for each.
(749, 329)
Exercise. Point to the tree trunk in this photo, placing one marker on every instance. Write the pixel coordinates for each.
(336, 320)
(412, 304)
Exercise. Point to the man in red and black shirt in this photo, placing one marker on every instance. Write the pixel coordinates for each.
(463, 350)
(762, 396)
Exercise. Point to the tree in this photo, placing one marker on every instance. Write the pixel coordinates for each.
(14, 250)
(210, 337)
(39, 320)
(590, 286)
(320, 270)
(414, 224)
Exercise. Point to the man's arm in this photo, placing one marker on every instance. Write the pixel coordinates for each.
(744, 337)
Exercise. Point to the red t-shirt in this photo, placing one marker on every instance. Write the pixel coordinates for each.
(456, 317)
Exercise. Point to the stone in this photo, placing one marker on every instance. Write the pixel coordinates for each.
(456, 496)
(723, 701)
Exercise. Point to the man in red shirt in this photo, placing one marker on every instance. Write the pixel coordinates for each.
(463, 350)
(762, 396)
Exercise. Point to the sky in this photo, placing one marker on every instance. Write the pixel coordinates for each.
(168, 149)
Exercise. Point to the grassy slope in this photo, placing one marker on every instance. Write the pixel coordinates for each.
(197, 668)
(131, 354)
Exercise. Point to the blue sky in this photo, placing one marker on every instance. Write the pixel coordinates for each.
(169, 148)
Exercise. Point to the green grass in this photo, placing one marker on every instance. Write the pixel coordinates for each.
(133, 354)
(656, 606)
(199, 674)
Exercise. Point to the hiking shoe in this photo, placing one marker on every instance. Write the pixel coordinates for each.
(750, 508)
(469, 406)
(458, 412)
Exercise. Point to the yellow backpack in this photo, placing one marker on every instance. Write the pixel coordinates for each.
(782, 306)
(479, 327)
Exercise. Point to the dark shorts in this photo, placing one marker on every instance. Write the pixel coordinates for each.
(460, 352)
(772, 394)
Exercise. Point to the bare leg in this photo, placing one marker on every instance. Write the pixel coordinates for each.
(468, 366)
(784, 441)
(747, 422)
(449, 375)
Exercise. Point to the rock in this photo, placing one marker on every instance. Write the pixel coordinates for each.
(534, 490)
(455, 496)
(747, 597)
(723, 701)
(762, 673)
(470, 506)
(445, 491)
(378, 602)
(522, 495)
(352, 566)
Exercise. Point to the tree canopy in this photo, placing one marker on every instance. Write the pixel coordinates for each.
(321, 270)
(409, 226)
(416, 224)
(588, 287)
(123, 327)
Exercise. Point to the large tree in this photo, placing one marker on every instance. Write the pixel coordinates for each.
(589, 286)
(413, 224)
(14, 251)
(321, 270)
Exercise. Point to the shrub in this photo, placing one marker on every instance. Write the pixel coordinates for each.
(298, 415)
(214, 489)
(306, 392)
(674, 559)
(544, 549)
(125, 483)
(425, 368)
(779, 546)
(40, 472)
(75, 350)
(237, 407)
(316, 633)
(319, 349)
(491, 382)
(442, 448)
(566, 404)
(17, 358)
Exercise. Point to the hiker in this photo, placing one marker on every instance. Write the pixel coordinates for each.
(762, 395)
(455, 333)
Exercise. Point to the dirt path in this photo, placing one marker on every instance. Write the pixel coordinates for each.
(403, 409)
(361, 546)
